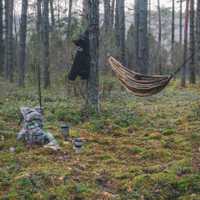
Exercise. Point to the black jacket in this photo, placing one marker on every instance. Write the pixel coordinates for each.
(81, 65)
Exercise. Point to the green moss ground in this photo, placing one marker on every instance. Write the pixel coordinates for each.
(138, 148)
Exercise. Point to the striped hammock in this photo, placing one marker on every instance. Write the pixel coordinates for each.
(139, 84)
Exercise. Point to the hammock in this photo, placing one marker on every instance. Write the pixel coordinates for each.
(139, 84)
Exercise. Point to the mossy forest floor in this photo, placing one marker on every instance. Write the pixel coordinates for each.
(137, 148)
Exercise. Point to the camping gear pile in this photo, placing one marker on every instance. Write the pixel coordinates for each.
(32, 131)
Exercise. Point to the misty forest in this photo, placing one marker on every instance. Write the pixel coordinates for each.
(100, 99)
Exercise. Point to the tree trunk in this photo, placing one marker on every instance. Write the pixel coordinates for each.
(192, 44)
(142, 50)
(112, 13)
(183, 78)
(181, 23)
(107, 16)
(69, 20)
(39, 17)
(198, 34)
(9, 40)
(93, 82)
(159, 39)
(52, 15)
(149, 16)
(173, 32)
(1, 38)
(195, 142)
(45, 42)
(39, 33)
(22, 41)
(120, 29)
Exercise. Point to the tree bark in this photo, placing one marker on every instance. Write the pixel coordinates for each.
(9, 40)
(107, 16)
(183, 78)
(22, 41)
(150, 16)
(112, 13)
(52, 15)
(1, 38)
(173, 32)
(181, 23)
(159, 39)
(69, 20)
(198, 34)
(93, 82)
(142, 50)
(120, 29)
(45, 42)
(192, 44)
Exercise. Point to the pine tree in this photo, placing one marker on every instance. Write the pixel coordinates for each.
(141, 24)
(45, 42)
(192, 43)
(93, 82)
(22, 41)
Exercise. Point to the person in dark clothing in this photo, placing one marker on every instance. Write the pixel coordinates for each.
(81, 65)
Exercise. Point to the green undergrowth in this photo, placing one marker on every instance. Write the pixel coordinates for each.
(136, 148)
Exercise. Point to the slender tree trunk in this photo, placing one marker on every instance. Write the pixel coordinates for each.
(1, 38)
(69, 20)
(181, 23)
(39, 19)
(159, 39)
(142, 50)
(136, 20)
(15, 40)
(107, 16)
(120, 28)
(93, 82)
(39, 32)
(149, 16)
(52, 14)
(183, 79)
(198, 34)
(22, 41)
(192, 43)
(6, 40)
(117, 21)
(196, 141)
(9, 40)
(38, 46)
(45, 42)
(58, 13)
(173, 32)
(112, 13)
